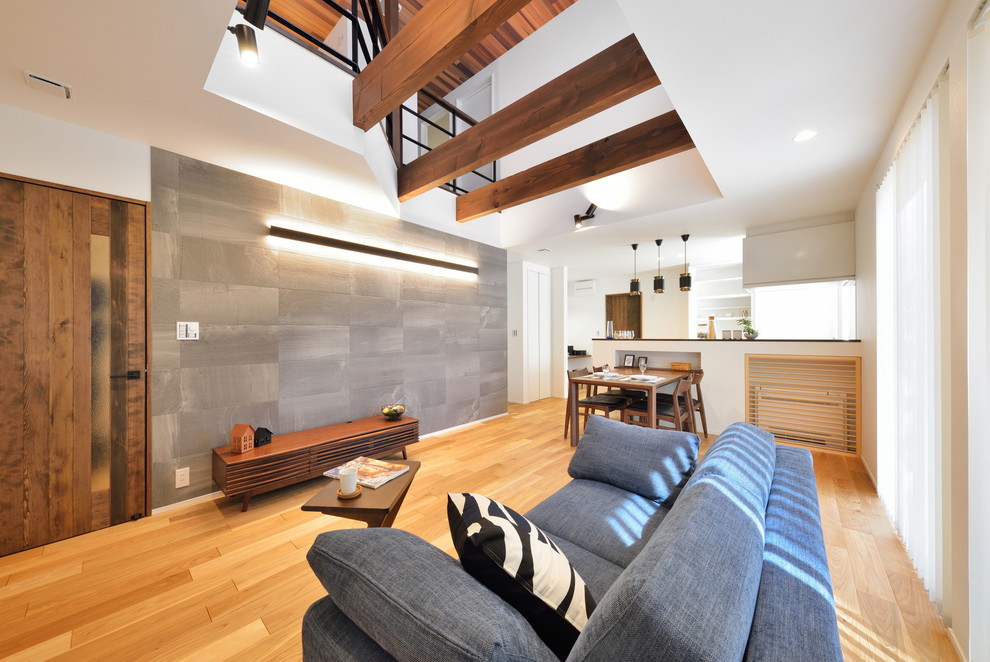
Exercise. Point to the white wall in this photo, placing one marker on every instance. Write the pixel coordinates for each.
(49, 150)
(664, 315)
(558, 314)
(315, 98)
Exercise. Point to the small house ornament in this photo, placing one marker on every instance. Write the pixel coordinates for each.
(262, 437)
(241, 438)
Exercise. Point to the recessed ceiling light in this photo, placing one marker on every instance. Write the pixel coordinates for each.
(807, 134)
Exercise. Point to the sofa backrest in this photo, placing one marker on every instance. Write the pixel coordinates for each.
(692, 591)
(795, 611)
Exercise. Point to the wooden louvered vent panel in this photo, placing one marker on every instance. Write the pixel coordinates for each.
(809, 401)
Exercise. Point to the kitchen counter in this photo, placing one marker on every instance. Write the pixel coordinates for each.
(724, 363)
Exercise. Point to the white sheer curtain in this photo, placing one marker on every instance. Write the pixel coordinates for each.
(978, 348)
(908, 370)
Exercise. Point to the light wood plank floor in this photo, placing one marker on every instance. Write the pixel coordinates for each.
(207, 582)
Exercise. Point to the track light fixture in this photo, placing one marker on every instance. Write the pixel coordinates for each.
(256, 12)
(658, 279)
(579, 219)
(685, 280)
(247, 45)
(634, 283)
(588, 215)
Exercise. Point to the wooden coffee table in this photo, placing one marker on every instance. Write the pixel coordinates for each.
(377, 508)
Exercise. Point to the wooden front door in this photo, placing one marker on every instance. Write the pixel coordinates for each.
(73, 342)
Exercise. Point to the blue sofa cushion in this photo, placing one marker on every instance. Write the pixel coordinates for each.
(606, 520)
(795, 612)
(416, 602)
(691, 592)
(329, 636)
(598, 574)
(519, 562)
(745, 456)
(651, 463)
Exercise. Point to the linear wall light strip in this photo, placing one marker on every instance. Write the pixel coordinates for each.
(320, 240)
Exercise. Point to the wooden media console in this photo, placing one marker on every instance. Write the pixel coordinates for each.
(297, 456)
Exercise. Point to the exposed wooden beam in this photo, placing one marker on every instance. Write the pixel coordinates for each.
(650, 141)
(436, 36)
(618, 73)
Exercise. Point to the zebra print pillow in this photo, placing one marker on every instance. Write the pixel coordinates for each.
(517, 561)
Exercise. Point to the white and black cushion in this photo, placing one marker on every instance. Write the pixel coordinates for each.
(520, 563)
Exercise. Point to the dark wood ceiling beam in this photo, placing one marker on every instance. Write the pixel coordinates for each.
(619, 72)
(432, 39)
(650, 141)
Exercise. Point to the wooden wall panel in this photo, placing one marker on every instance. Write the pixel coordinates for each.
(625, 312)
(12, 359)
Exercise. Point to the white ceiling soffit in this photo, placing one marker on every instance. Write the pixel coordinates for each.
(745, 78)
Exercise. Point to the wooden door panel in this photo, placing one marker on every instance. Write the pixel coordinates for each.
(61, 403)
(37, 386)
(136, 493)
(82, 388)
(127, 276)
(12, 359)
(47, 480)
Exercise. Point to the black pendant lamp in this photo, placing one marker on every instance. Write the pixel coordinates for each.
(634, 283)
(685, 277)
(658, 279)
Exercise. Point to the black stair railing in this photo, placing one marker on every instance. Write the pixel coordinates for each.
(368, 37)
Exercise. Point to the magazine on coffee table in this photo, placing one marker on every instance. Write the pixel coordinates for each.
(370, 472)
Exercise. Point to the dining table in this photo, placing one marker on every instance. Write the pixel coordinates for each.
(623, 378)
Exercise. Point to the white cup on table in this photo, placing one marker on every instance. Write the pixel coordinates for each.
(348, 480)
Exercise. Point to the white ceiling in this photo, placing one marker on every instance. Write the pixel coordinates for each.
(745, 78)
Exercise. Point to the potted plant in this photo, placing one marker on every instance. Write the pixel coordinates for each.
(747, 327)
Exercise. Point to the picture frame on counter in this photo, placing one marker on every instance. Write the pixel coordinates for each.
(643, 362)
(629, 360)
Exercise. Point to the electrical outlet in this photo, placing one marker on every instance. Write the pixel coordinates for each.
(182, 477)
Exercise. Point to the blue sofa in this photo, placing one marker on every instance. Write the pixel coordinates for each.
(731, 566)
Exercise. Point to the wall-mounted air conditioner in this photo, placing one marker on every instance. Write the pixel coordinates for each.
(584, 288)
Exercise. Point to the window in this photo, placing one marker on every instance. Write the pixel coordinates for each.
(806, 311)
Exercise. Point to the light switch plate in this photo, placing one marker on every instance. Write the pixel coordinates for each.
(187, 330)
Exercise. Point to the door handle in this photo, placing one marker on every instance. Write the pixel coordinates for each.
(131, 374)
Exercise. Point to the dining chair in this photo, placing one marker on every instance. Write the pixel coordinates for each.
(697, 402)
(593, 402)
(677, 411)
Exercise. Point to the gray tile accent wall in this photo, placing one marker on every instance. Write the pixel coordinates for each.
(292, 340)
